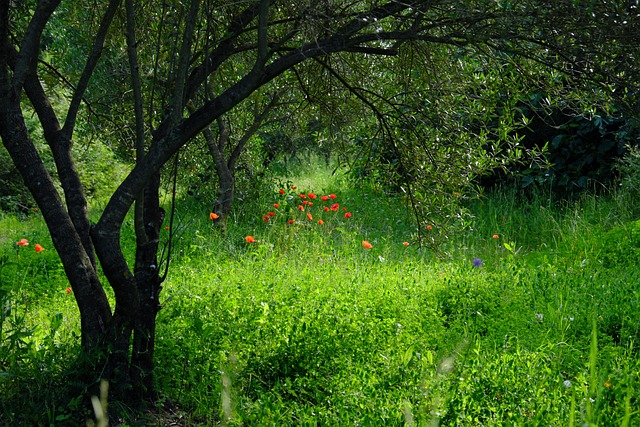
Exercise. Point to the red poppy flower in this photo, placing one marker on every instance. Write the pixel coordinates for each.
(166, 227)
(38, 247)
(312, 195)
(281, 191)
(276, 205)
(335, 207)
(332, 196)
(366, 244)
(405, 243)
(291, 222)
(309, 203)
(68, 290)
(324, 198)
(23, 242)
(266, 218)
(213, 216)
(300, 207)
(320, 222)
(429, 228)
(250, 239)
(347, 215)
(305, 202)
(309, 217)
(326, 209)
(495, 236)
(272, 214)
(303, 196)
(293, 187)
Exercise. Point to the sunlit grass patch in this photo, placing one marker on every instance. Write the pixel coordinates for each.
(304, 323)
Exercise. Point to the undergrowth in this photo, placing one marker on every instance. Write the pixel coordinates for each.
(531, 319)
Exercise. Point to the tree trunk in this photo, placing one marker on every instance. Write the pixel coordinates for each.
(95, 313)
(148, 283)
(226, 183)
(225, 168)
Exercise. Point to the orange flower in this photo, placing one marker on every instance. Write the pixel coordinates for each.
(306, 202)
(347, 215)
(303, 196)
(68, 290)
(429, 228)
(23, 242)
(281, 191)
(366, 244)
(495, 236)
(326, 209)
(320, 222)
(332, 196)
(607, 384)
(309, 217)
(276, 205)
(335, 207)
(324, 198)
(312, 195)
(291, 222)
(405, 243)
(250, 239)
(213, 216)
(293, 187)
(300, 208)
(38, 247)
(309, 203)
(166, 227)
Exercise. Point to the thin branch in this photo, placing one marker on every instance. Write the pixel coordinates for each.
(263, 41)
(89, 68)
(30, 46)
(136, 85)
(184, 60)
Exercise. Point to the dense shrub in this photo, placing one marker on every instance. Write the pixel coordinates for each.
(581, 151)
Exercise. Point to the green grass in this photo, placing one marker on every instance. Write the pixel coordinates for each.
(307, 327)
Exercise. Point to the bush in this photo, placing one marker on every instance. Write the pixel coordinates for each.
(579, 151)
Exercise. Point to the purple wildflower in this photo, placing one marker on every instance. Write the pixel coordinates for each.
(477, 262)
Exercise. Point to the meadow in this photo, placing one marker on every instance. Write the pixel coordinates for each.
(298, 315)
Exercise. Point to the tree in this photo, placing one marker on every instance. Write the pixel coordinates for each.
(225, 163)
(214, 57)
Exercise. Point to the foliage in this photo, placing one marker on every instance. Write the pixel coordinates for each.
(305, 326)
(98, 166)
(579, 152)
(438, 86)
(14, 196)
(629, 169)
(621, 246)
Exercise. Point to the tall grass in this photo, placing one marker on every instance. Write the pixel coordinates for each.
(305, 326)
